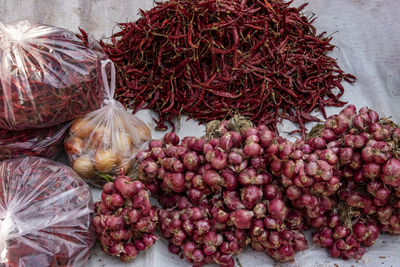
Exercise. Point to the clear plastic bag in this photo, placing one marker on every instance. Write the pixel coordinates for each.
(45, 142)
(47, 76)
(104, 142)
(45, 214)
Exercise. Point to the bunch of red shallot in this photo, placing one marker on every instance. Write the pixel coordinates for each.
(253, 187)
(203, 234)
(125, 220)
(349, 167)
(227, 178)
(345, 238)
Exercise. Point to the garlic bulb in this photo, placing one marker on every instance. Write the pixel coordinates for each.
(122, 143)
(81, 128)
(105, 160)
(145, 132)
(101, 137)
(74, 146)
(126, 165)
(139, 132)
(83, 166)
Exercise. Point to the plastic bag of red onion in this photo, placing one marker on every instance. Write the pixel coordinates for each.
(47, 76)
(45, 214)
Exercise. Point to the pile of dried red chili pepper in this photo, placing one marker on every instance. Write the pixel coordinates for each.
(211, 59)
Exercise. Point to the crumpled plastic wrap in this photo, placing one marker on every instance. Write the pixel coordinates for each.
(47, 76)
(45, 214)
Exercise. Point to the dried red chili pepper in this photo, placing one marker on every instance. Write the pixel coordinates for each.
(46, 142)
(214, 59)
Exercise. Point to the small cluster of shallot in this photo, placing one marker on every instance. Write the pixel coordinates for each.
(125, 220)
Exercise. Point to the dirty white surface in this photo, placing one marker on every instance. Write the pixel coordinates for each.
(368, 38)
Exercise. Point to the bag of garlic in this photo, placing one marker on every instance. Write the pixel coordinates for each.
(104, 142)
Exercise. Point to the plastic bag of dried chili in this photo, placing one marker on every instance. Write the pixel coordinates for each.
(104, 142)
(45, 142)
(45, 214)
(47, 76)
